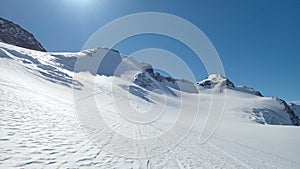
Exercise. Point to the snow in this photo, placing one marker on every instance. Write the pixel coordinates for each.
(215, 80)
(40, 128)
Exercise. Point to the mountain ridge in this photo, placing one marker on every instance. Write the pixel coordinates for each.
(59, 68)
(14, 34)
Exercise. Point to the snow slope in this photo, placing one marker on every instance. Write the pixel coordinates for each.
(40, 128)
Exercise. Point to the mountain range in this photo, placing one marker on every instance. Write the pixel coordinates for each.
(50, 104)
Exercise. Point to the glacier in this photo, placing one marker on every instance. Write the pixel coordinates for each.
(40, 127)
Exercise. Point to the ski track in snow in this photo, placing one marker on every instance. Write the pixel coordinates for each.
(42, 132)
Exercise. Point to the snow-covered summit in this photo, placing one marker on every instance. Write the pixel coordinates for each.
(220, 81)
(12, 33)
(215, 80)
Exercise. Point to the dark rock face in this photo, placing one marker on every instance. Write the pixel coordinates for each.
(296, 108)
(15, 35)
(148, 78)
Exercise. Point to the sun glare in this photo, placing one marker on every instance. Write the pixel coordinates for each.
(80, 3)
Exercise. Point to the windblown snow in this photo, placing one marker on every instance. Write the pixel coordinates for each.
(40, 128)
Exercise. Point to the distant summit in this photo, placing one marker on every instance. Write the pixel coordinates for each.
(220, 81)
(13, 34)
(214, 80)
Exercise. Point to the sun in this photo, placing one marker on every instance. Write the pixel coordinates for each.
(80, 3)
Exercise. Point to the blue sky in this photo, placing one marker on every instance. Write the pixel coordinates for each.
(258, 40)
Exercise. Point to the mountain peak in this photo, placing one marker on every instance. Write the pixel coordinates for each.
(215, 80)
(13, 34)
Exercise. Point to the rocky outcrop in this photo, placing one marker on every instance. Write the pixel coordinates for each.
(294, 118)
(215, 80)
(13, 34)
